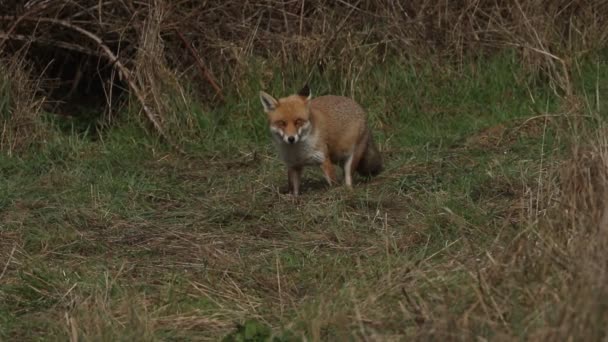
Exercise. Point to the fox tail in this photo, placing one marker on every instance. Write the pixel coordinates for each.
(371, 163)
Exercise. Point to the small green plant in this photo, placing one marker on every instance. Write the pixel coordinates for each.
(254, 331)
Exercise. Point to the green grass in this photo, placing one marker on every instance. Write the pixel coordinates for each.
(120, 238)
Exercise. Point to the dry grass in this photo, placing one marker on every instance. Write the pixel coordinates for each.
(584, 221)
(151, 42)
(21, 125)
(481, 227)
(182, 248)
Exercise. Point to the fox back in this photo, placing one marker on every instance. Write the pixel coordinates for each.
(345, 124)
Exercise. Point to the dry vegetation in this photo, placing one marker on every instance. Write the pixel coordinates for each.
(20, 124)
(584, 222)
(162, 245)
(145, 44)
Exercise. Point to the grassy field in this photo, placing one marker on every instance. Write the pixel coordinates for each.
(113, 236)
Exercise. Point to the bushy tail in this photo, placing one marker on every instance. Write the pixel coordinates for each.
(371, 162)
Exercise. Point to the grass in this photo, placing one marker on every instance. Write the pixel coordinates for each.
(119, 238)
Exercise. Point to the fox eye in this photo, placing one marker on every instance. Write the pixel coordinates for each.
(280, 123)
(299, 122)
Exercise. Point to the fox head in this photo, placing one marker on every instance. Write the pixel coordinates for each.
(289, 117)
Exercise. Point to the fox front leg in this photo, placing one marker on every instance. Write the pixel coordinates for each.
(329, 171)
(293, 177)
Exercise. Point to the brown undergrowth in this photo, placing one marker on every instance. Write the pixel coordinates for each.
(21, 125)
(153, 48)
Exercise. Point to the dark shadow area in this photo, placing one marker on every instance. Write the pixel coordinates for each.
(82, 90)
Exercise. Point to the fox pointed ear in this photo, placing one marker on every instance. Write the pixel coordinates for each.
(269, 102)
(305, 92)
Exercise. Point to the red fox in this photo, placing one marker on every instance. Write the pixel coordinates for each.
(323, 131)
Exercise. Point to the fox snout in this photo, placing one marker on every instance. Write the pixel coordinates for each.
(286, 137)
(290, 139)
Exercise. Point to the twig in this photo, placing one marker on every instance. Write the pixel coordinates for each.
(56, 43)
(10, 257)
(302, 16)
(204, 71)
(279, 284)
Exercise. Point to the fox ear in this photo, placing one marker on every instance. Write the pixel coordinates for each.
(305, 92)
(269, 102)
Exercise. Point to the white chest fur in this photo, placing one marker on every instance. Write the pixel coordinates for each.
(305, 152)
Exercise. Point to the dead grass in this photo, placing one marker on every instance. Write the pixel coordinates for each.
(189, 256)
(21, 124)
(152, 49)
(583, 220)
(453, 242)
(481, 227)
